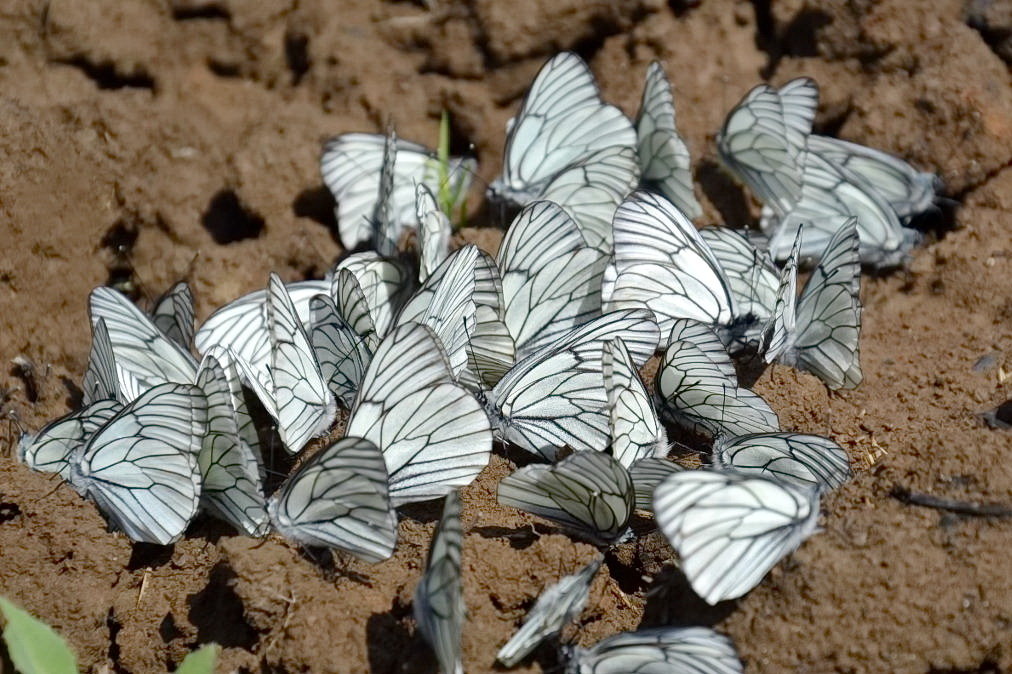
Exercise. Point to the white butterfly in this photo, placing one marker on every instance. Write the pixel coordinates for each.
(801, 460)
(662, 261)
(566, 145)
(51, 449)
(730, 529)
(554, 609)
(551, 279)
(101, 381)
(434, 232)
(763, 140)
(659, 650)
(339, 499)
(588, 493)
(635, 431)
(352, 167)
(752, 277)
(907, 190)
(820, 331)
(439, 601)
(293, 391)
(230, 463)
(697, 387)
(141, 466)
(343, 354)
(664, 160)
(174, 314)
(370, 297)
(143, 355)
(646, 474)
(433, 434)
(555, 397)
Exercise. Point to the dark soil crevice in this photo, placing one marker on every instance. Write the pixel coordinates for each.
(107, 75)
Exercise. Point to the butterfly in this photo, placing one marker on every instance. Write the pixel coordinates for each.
(662, 261)
(342, 353)
(588, 493)
(554, 609)
(730, 529)
(555, 397)
(354, 166)
(635, 431)
(820, 331)
(51, 448)
(101, 381)
(660, 649)
(697, 387)
(646, 474)
(566, 145)
(174, 315)
(665, 165)
(794, 458)
(433, 434)
(434, 232)
(339, 499)
(141, 466)
(439, 601)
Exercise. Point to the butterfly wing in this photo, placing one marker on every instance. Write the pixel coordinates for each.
(802, 460)
(753, 279)
(50, 450)
(589, 493)
(731, 529)
(635, 431)
(698, 650)
(101, 381)
(434, 231)
(646, 474)
(339, 499)
(342, 353)
(175, 316)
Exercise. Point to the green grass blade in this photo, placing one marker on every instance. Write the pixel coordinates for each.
(200, 661)
(34, 647)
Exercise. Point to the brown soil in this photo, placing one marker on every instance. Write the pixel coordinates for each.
(187, 132)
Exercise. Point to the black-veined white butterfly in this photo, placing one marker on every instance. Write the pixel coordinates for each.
(635, 431)
(50, 450)
(143, 355)
(660, 650)
(646, 474)
(433, 434)
(434, 232)
(352, 166)
(342, 353)
(369, 291)
(566, 145)
(555, 608)
(588, 493)
(752, 277)
(439, 600)
(802, 460)
(665, 164)
(231, 468)
(339, 499)
(697, 388)
(551, 279)
(293, 391)
(555, 397)
(730, 528)
(101, 382)
(174, 315)
(141, 466)
(763, 140)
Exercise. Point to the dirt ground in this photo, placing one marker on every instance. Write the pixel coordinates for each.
(145, 141)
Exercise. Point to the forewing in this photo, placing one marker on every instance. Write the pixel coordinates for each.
(50, 450)
(693, 650)
(793, 458)
(175, 316)
(646, 474)
(100, 379)
(439, 600)
(342, 353)
(635, 431)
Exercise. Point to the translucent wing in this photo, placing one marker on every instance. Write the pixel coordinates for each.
(693, 650)
(907, 190)
(339, 499)
(828, 321)
(294, 393)
(763, 140)
(782, 325)
(696, 392)
(439, 600)
(229, 459)
(752, 277)
(50, 450)
(554, 609)
(385, 232)
(434, 231)
(832, 195)
(730, 529)
(175, 316)
(141, 467)
(646, 474)
(635, 431)
(588, 493)
(663, 262)
(551, 280)
(351, 166)
(342, 353)
(384, 286)
(433, 434)
(144, 356)
(351, 305)
(241, 325)
(793, 458)
(100, 379)
(665, 164)
(555, 397)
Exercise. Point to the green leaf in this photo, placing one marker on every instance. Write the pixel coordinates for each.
(34, 647)
(200, 661)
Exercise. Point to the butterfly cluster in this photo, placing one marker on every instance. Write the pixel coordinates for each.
(433, 358)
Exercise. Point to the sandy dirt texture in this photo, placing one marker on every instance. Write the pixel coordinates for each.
(147, 141)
